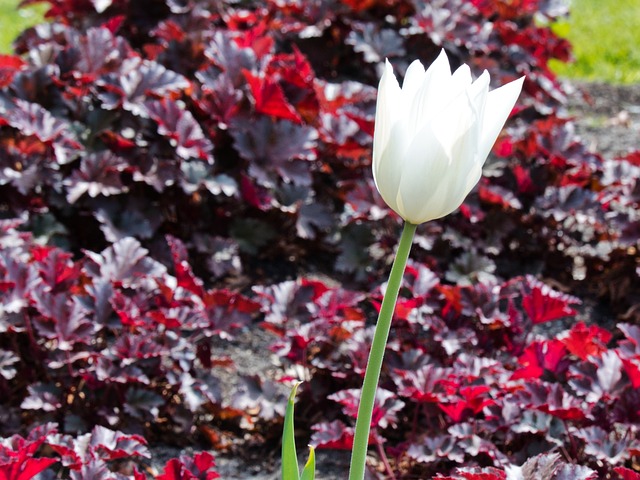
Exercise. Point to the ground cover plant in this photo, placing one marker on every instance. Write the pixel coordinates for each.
(177, 172)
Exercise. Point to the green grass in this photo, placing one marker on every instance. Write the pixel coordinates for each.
(14, 21)
(605, 35)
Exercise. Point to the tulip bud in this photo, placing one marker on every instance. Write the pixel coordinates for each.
(433, 135)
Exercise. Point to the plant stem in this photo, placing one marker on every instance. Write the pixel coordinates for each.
(376, 355)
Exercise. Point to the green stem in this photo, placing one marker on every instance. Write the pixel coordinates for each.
(376, 355)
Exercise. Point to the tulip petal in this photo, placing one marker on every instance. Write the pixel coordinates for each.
(426, 163)
(435, 85)
(412, 81)
(388, 169)
(386, 110)
(387, 139)
(500, 102)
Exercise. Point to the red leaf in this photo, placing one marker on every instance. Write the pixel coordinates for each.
(472, 402)
(114, 23)
(632, 367)
(25, 468)
(200, 467)
(184, 274)
(359, 5)
(269, 98)
(496, 195)
(9, 66)
(453, 299)
(17, 461)
(544, 304)
(538, 357)
(584, 341)
(627, 473)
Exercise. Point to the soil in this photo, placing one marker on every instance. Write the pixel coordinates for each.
(606, 117)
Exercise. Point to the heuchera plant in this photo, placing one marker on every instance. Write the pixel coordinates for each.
(173, 173)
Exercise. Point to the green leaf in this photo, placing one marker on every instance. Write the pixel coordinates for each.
(289, 456)
(309, 472)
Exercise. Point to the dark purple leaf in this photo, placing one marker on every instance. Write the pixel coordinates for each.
(259, 397)
(99, 174)
(97, 51)
(183, 132)
(33, 119)
(599, 378)
(125, 262)
(7, 361)
(120, 219)
(276, 147)
(137, 81)
(607, 446)
(375, 44)
(385, 409)
(45, 397)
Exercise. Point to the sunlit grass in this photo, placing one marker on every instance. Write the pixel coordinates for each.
(605, 35)
(14, 21)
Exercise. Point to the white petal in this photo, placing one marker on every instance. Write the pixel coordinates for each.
(386, 114)
(412, 81)
(500, 102)
(425, 165)
(436, 82)
(390, 165)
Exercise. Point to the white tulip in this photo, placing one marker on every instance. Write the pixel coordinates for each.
(433, 135)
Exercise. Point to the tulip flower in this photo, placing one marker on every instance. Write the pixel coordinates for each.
(431, 139)
(433, 135)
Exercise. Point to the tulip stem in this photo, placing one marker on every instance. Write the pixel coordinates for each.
(376, 355)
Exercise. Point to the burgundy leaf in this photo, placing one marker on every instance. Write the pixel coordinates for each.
(9, 66)
(551, 467)
(434, 448)
(181, 129)
(99, 174)
(125, 262)
(64, 320)
(275, 146)
(261, 397)
(33, 119)
(138, 81)
(112, 445)
(421, 385)
(332, 435)
(607, 446)
(598, 378)
(375, 44)
(7, 361)
(184, 274)
(18, 461)
(97, 51)
(385, 409)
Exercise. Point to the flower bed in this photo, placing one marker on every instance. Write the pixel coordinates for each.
(175, 172)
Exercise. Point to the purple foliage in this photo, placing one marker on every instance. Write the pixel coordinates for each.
(173, 171)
